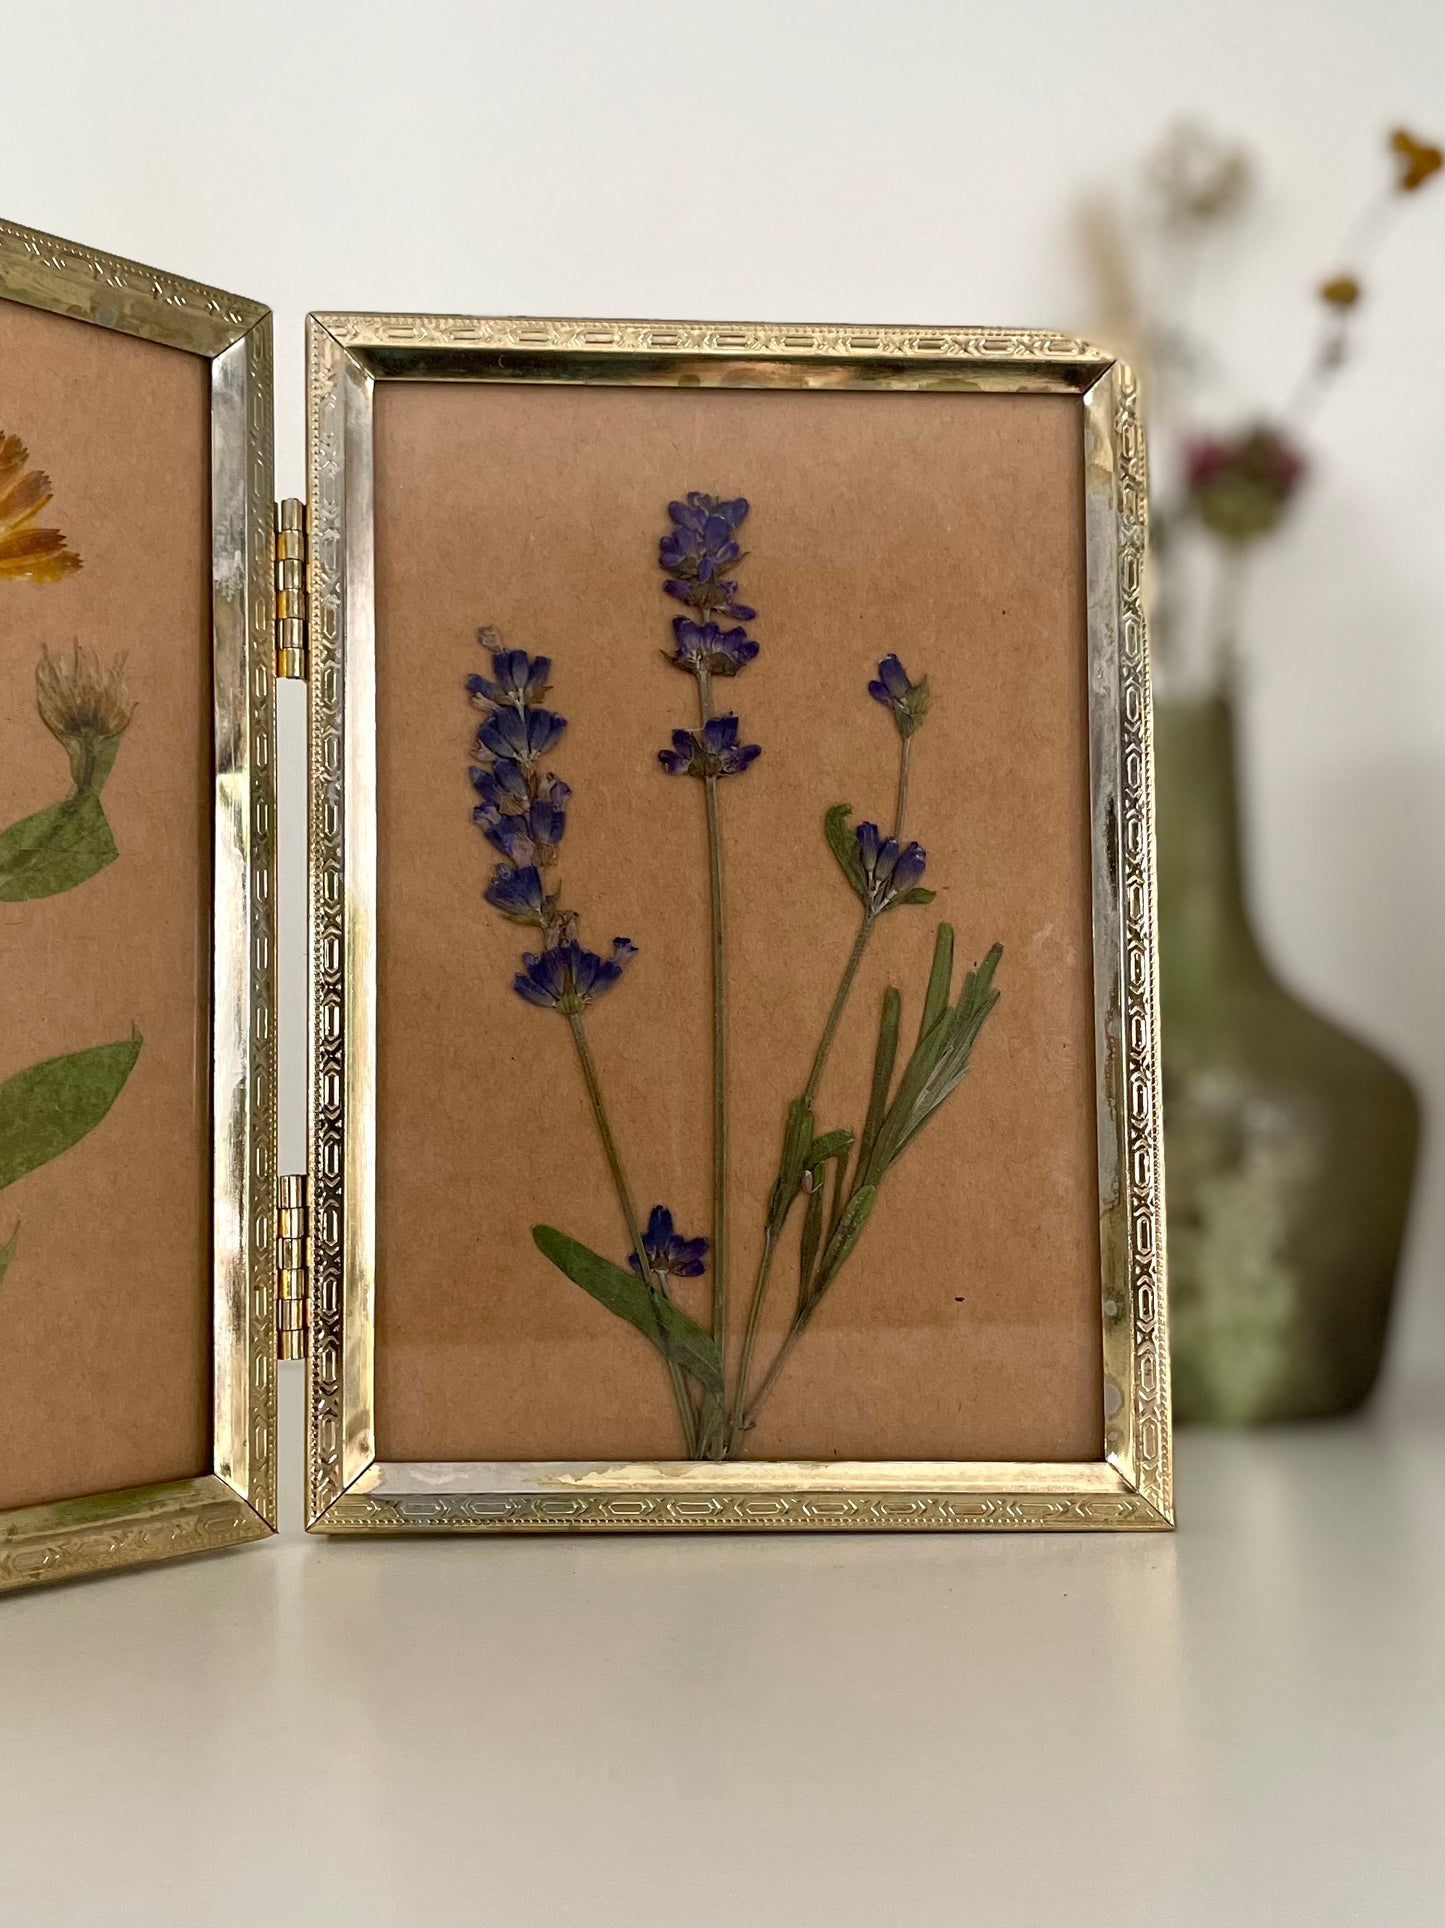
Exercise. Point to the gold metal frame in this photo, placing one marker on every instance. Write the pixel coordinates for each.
(349, 1489)
(236, 1499)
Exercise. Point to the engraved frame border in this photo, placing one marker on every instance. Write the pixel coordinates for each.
(351, 1491)
(235, 1500)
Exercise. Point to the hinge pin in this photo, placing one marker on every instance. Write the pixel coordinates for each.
(291, 587)
(291, 1265)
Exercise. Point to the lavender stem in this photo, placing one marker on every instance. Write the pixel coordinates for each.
(634, 1229)
(719, 1048)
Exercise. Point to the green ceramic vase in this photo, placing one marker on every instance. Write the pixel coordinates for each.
(1289, 1144)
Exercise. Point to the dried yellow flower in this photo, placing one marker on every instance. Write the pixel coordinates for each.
(28, 553)
(1341, 292)
(1415, 160)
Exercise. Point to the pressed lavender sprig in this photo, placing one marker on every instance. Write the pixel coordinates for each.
(883, 872)
(522, 813)
(700, 547)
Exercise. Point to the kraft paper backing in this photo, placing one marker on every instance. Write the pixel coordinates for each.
(105, 1311)
(945, 527)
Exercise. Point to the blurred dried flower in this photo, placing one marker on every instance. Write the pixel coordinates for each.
(1240, 486)
(28, 553)
(1196, 177)
(1342, 291)
(1415, 160)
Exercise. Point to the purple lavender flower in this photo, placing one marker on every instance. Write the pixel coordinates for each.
(888, 871)
(667, 1251)
(565, 978)
(713, 751)
(908, 701)
(530, 835)
(517, 678)
(517, 892)
(722, 652)
(521, 736)
(700, 545)
(503, 788)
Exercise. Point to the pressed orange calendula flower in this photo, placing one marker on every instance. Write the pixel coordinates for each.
(1416, 160)
(28, 553)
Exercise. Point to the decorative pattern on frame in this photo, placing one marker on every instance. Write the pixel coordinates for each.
(349, 1491)
(1145, 1174)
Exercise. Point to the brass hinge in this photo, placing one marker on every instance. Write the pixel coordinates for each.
(292, 1226)
(291, 587)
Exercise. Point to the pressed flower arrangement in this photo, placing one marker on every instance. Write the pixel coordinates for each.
(48, 1107)
(830, 1176)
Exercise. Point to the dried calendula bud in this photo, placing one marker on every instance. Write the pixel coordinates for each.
(85, 707)
(1343, 291)
(1415, 160)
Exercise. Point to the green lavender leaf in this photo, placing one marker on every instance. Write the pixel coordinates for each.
(844, 846)
(832, 1144)
(812, 1239)
(849, 1231)
(797, 1139)
(51, 1106)
(967, 1020)
(940, 980)
(55, 849)
(922, 1063)
(918, 895)
(7, 1252)
(884, 1058)
(624, 1293)
(951, 1043)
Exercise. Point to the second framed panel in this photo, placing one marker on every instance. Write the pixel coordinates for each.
(732, 950)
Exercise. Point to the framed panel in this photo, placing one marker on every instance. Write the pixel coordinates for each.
(461, 465)
(144, 350)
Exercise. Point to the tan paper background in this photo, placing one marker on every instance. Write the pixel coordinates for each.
(947, 527)
(105, 1311)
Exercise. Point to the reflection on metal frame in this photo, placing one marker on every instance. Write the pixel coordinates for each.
(236, 1499)
(349, 1489)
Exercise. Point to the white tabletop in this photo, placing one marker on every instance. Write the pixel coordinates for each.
(1240, 1724)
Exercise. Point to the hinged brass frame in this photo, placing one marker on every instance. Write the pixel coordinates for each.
(234, 1499)
(292, 1264)
(291, 588)
(349, 1489)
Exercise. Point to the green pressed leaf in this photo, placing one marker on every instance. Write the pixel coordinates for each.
(961, 1030)
(849, 1231)
(884, 1057)
(918, 895)
(55, 849)
(844, 846)
(840, 1172)
(832, 1144)
(50, 1107)
(940, 980)
(624, 1293)
(7, 1252)
(939, 1062)
(797, 1138)
(812, 1239)
(924, 1061)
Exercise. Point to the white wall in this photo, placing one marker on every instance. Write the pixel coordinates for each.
(876, 163)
